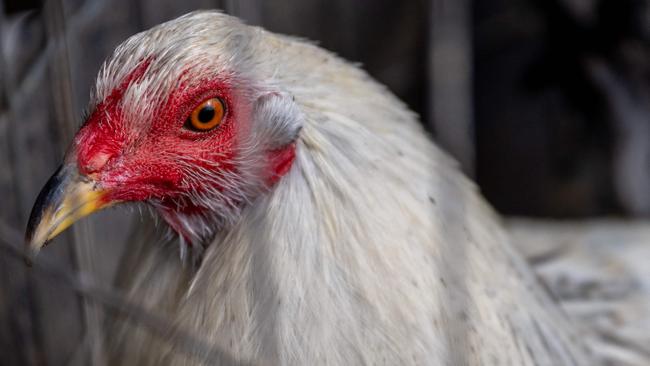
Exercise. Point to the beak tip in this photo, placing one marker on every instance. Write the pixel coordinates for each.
(65, 198)
(31, 250)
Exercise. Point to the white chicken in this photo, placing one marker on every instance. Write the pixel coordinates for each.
(328, 228)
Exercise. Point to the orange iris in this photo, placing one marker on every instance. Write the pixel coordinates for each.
(206, 115)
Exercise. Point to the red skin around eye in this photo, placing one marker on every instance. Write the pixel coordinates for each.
(98, 140)
(152, 169)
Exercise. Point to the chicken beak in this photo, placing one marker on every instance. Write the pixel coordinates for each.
(66, 198)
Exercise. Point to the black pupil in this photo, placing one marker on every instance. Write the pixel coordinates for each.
(206, 114)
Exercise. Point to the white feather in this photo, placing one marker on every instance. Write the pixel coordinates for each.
(373, 249)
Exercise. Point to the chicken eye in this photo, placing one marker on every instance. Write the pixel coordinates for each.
(206, 115)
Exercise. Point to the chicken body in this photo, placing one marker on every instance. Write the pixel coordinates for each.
(371, 248)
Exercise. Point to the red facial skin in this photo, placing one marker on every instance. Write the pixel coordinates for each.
(134, 165)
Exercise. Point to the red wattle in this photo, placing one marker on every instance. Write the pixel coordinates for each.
(281, 161)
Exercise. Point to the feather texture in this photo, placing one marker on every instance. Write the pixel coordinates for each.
(372, 249)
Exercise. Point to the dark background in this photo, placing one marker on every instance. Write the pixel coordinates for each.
(545, 103)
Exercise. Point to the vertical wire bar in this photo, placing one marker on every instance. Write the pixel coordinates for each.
(450, 79)
(450, 73)
(82, 233)
(30, 350)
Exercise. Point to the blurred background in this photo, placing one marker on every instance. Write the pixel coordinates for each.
(545, 103)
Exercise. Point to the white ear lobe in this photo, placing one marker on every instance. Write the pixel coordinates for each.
(277, 120)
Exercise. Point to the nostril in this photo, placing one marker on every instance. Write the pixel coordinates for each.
(96, 163)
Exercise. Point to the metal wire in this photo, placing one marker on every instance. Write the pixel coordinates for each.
(81, 236)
